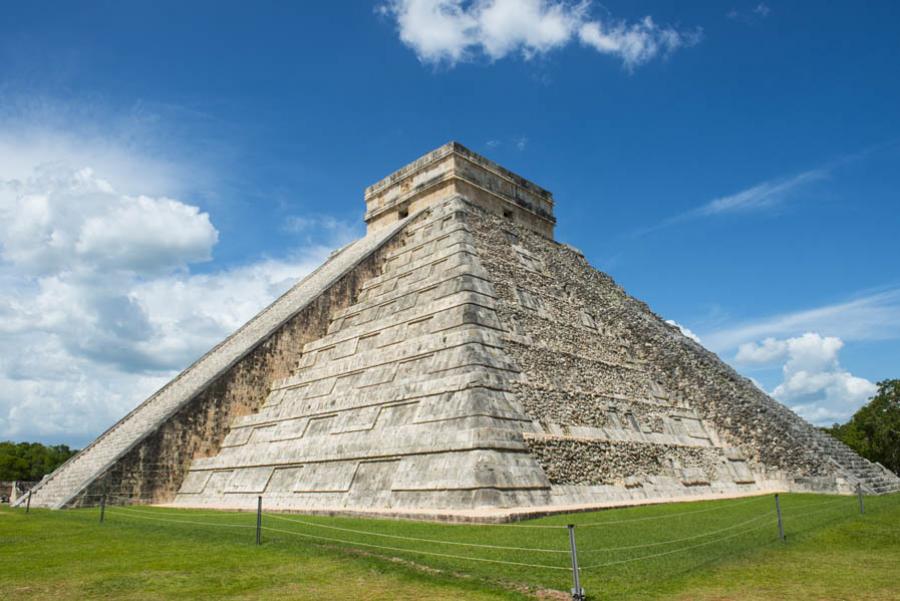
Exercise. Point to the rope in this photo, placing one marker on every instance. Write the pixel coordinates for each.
(673, 551)
(414, 551)
(819, 511)
(120, 510)
(669, 515)
(677, 540)
(724, 538)
(353, 543)
(421, 540)
(818, 504)
(144, 515)
(160, 511)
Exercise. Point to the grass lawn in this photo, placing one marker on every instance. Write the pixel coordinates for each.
(707, 550)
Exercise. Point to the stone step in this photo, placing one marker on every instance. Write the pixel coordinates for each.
(76, 474)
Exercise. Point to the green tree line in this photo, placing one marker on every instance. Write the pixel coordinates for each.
(30, 460)
(874, 430)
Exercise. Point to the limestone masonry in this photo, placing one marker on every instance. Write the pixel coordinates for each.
(456, 362)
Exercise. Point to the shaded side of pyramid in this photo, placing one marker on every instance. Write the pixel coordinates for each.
(625, 407)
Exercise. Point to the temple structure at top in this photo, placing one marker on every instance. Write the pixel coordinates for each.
(454, 170)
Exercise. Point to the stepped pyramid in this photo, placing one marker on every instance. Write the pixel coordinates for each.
(456, 362)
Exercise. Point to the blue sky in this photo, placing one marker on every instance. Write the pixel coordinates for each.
(166, 170)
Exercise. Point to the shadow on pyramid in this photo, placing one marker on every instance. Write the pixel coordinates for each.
(456, 363)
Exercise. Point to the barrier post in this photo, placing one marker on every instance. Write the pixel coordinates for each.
(259, 520)
(28, 502)
(780, 523)
(577, 591)
(102, 508)
(859, 493)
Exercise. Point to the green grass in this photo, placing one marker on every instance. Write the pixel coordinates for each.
(706, 550)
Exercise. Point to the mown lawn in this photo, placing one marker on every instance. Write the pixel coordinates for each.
(708, 550)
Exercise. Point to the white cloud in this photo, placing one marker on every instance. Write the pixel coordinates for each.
(62, 219)
(761, 353)
(761, 196)
(764, 196)
(99, 306)
(684, 330)
(452, 31)
(814, 383)
(874, 316)
(636, 43)
(438, 30)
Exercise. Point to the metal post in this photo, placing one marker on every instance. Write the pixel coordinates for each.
(259, 520)
(859, 493)
(780, 523)
(28, 502)
(577, 591)
(102, 508)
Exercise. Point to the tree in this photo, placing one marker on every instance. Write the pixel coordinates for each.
(874, 430)
(30, 460)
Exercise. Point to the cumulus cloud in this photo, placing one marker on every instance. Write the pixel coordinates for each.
(684, 330)
(814, 383)
(60, 219)
(635, 43)
(872, 316)
(99, 301)
(452, 31)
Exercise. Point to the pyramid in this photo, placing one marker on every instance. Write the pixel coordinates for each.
(458, 362)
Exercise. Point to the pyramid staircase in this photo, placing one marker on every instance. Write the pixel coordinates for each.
(72, 479)
(457, 360)
(407, 401)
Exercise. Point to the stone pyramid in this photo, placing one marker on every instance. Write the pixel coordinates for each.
(456, 361)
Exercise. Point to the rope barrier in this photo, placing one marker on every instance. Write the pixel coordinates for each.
(415, 551)
(163, 511)
(421, 540)
(819, 511)
(676, 540)
(852, 501)
(673, 551)
(796, 512)
(670, 515)
(119, 510)
(352, 543)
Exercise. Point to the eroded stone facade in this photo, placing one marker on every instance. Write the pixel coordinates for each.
(456, 360)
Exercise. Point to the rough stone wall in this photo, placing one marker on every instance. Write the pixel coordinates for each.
(579, 408)
(153, 470)
(586, 348)
(587, 462)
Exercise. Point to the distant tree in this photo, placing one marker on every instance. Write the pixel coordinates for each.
(874, 430)
(30, 460)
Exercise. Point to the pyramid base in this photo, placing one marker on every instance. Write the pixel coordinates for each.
(562, 499)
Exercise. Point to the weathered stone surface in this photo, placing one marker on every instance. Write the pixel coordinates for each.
(405, 403)
(147, 453)
(598, 365)
(456, 359)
